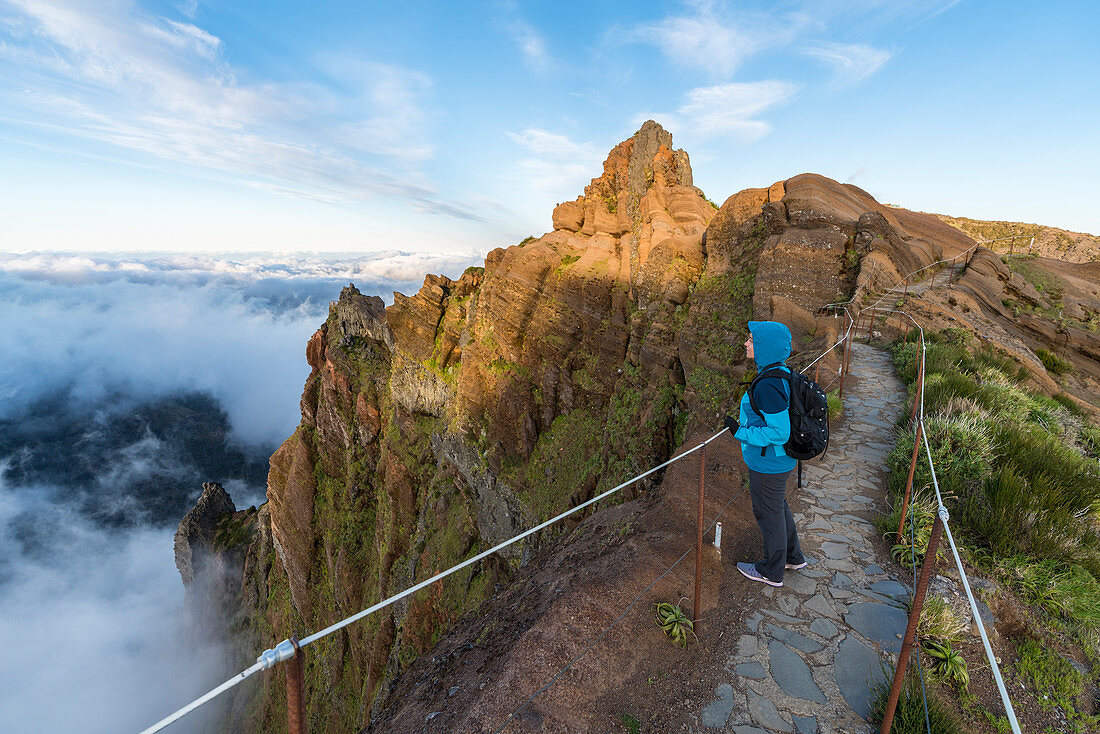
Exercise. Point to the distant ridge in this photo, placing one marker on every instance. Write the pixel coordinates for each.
(1061, 244)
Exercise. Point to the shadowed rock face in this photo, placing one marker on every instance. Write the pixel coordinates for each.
(195, 533)
(472, 409)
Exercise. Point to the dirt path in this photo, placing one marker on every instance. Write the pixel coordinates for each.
(797, 658)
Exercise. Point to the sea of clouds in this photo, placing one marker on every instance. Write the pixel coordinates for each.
(92, 610)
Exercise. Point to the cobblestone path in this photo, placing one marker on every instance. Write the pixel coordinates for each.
(805, 658)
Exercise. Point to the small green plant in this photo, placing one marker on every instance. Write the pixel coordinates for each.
(1069, 404)
(999, 723)
(568, 260)
(1054, 363)
(674, 621)
(631, 723)
(527, 240)
(836, 405)
(1090, 437)
(947, 663)
(921, 516)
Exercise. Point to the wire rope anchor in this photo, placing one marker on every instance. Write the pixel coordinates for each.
(281, 652)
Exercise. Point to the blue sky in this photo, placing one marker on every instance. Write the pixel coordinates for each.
(217, 125)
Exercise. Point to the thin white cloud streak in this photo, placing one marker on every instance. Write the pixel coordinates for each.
(113, 73)
(851, 63)
(728, 110)
(557, 167)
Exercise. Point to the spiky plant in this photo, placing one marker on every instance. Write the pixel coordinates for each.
(675, 622)
(947, 663)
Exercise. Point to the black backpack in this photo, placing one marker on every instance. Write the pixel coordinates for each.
(809, 412)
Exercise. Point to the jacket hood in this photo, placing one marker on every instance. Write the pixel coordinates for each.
(771, 342)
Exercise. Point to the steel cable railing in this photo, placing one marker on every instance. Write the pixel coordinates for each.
(288, 649)
(968, 251)
(942, 521)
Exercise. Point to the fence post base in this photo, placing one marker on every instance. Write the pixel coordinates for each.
(295, 700)
(699, 540)
(911, 627)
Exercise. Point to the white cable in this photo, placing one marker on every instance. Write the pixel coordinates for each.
(256, 667)
(841, 341)
(944, 516)
(284, 650)
(427, 582)
(985, 639)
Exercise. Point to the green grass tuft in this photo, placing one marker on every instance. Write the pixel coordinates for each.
(909, 715)
(1054, 363)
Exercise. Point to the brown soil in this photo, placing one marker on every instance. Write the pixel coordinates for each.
(562, 601)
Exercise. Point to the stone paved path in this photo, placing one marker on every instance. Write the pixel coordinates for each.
(805, 658)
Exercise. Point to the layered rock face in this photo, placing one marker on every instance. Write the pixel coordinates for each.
(461, 415)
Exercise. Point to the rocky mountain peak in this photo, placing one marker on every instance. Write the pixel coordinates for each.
(612, 202)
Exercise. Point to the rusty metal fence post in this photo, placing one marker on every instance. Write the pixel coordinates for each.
(911, 628)
(916, 443)
(920, 384)
(699, 539)
(909, 482)
(295, 699)
(844, 363)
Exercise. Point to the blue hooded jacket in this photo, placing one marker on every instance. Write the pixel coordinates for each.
(771, 343)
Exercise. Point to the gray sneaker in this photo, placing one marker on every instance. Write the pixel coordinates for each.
(748, 570)
(796, 566)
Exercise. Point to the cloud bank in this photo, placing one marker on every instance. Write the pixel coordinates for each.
(92, 619)
(234, 328)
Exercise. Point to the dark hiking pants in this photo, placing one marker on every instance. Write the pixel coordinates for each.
(773, 515)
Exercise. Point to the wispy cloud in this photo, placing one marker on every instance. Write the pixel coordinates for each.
(556, 166)
(712, 37)
(729, 109)
(530, 42)
(114, 73)
(851, 63)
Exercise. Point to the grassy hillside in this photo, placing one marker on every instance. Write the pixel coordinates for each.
(1049, 241)
(1019, 474)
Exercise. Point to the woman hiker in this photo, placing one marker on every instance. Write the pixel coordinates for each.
(762, 438)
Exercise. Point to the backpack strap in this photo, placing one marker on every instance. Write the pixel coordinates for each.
(771, 370)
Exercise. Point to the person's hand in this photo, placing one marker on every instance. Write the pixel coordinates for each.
(731, 423)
